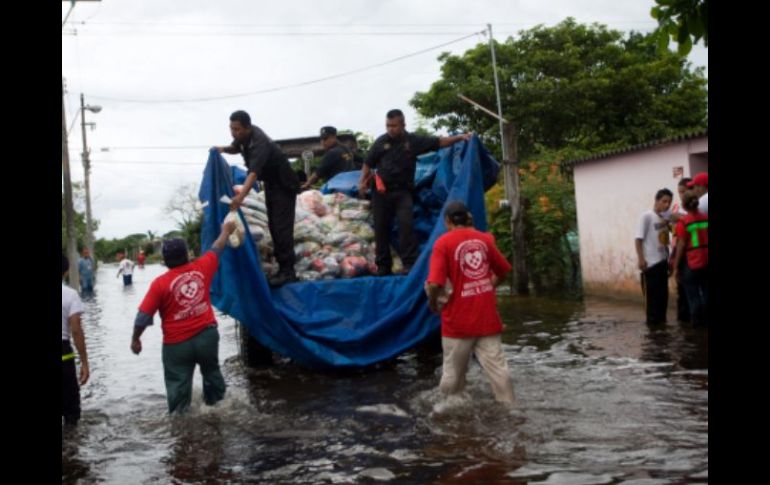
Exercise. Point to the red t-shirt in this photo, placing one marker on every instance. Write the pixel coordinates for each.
(468, 258)
(182, 296)
(693, 230)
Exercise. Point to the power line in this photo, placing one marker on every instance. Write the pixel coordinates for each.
(138, 147)
(262, 34)
(228, 24)
(344, 25)
(167, 147)
(145, 162)
(290, 86)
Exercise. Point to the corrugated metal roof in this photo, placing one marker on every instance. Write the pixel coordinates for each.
(641, 146)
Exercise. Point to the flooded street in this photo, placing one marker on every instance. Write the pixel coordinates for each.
(602, 399)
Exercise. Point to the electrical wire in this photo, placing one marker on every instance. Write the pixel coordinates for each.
(290, 86)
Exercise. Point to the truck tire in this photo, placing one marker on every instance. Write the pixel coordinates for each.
(253, 353)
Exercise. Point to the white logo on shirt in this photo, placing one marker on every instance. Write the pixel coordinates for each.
(188, 290)
(472, 256)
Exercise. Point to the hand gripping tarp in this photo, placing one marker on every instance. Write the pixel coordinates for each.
(343, 322)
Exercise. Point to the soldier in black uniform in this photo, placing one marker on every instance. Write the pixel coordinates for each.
(266, 162)
(338, 158)
(394, 156)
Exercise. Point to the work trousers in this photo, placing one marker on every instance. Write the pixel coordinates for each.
(655, 281)
(179, 362)
(696, 284)
(682, 306)
(281, 203)
(488, 351)
(385, 206)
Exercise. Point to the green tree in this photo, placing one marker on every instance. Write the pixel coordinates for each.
(106, 249)
(173, 234)
(570, 90)
(185, 209)
(570, 85)
(149, 246)
(684, 21)
(364, 140)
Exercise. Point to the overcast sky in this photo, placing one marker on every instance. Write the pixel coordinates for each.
(167, 75)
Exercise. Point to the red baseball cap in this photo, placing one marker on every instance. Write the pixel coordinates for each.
(700, 179)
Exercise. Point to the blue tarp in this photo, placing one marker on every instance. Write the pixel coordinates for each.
(344, 322)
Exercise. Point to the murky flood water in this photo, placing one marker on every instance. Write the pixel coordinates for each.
(602, 399)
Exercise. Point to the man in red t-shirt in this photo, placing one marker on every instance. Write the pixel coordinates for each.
(190, 333)
(470, 260)
(693, 248)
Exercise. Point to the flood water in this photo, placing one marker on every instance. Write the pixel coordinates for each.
(602, 399)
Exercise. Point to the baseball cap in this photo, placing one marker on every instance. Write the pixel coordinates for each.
(454, 208)
(174, 252)
(328, 131)
(700, 179)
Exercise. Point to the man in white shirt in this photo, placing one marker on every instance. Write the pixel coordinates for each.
(652, 244)
(71, 309)
(127, 268)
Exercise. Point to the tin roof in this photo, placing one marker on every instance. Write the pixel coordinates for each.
(641, 146)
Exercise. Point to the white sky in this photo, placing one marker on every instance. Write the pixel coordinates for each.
(161, 50)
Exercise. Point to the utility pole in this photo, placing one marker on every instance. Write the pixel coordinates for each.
(500, 119)
(520, 275)
(520, 272)
(87, 171)
(69, 212)
(72, 6)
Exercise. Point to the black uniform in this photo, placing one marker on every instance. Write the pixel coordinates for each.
(265, 158)
(337, 159)
(396, 161)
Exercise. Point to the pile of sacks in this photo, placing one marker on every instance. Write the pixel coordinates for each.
(333, 235)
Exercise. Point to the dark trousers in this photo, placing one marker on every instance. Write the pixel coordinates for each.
(696, 284)
(179, 362)
(86, 285)
(280, 204)
(682, 306)
(656, 292)
(70, 391)
(396, 203)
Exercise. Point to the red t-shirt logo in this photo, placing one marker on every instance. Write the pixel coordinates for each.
(188, 288)
(472, 256)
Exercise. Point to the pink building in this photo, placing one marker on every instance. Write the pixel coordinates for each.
(612, 189)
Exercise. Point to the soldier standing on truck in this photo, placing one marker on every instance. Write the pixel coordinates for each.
(338, 158)
(394, 156)
(266, 162)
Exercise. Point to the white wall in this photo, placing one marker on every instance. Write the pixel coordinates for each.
(611, 193)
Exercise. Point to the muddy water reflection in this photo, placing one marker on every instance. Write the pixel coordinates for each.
(602, 399)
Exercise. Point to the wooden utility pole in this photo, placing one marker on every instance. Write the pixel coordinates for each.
(520, 276)
(87, 172)
(69, 212)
